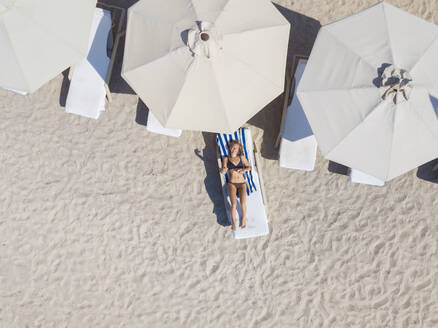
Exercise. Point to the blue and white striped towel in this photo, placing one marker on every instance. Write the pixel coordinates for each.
(223, 140)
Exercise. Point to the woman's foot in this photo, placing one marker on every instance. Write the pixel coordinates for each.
(233, 227)
(243, 223)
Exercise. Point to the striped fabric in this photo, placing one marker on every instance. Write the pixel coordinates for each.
(223, 140)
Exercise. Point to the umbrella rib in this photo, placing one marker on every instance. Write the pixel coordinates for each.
(17, 59)
(354, 128)
(179, 92)
(350, 50)
(285, 23)
(221, 97)
(153, 61)
(256, 29)
(424, 124)
(222, 11)
(217, 84)
(252, 69)
(196, 12)
(388, 168)
(387, 33)
(425, 52)
(336, 89)
(155, 19)
(52, 34)
(423, 121)
(194, 9)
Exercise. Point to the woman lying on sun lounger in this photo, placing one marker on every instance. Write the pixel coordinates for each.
(236, 165)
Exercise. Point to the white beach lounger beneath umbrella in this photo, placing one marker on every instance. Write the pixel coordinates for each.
(86, 95)
(357, 176)
(91, 76)
(23, 93)
(297, 142)
(256, 218)
(153, 125)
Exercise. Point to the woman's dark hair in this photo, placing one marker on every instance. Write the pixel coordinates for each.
(235, 142)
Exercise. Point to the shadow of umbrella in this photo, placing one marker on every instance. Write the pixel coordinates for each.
(428, 171)
(303, 33)
(301, 38)
(141, 116)
(64, 88)
(434, 102)
(337, 168)
(118, 84)
(212, 180)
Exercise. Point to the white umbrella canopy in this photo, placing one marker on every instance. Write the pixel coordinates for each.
(366, 114)
(41, 38)
(215, 84)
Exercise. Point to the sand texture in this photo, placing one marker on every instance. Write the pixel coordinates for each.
(103, 224)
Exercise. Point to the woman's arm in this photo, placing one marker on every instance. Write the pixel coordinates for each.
(224, 168)
(246, 164)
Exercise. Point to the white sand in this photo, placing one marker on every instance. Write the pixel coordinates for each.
(103, 224)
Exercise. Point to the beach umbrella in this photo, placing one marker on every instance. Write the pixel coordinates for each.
(41, 38)
(206, 65)
(370, 91)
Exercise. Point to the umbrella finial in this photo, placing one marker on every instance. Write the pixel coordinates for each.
(204, 40)
(205, 36)
(396, 84)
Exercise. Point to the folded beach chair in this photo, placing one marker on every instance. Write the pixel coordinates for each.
(91, 76)
(297, 142)
(357, 176)
(256, 219)
(153, 125)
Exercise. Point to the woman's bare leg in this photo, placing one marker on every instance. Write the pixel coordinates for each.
(242, 196)
(232, 191)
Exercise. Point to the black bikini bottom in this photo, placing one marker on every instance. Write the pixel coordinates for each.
(238, 185)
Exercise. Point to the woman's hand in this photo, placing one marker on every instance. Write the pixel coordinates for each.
(224, 168)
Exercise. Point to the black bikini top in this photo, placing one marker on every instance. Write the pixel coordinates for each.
(239, 165)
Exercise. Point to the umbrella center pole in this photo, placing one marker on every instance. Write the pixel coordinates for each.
(395, 84)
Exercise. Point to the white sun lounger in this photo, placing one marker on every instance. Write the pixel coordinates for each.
(153, 125)
(23, 93)
(256, 218)
(297, 142)
(91, 76)
(86, 95)
(357, 176)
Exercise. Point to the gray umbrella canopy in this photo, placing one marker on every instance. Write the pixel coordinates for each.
(206, 65)
(370, 91)
(41, 38)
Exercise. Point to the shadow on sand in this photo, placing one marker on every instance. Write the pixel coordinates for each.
(301, 38)
(64, 88)
(337, 168)
(427, 172)
(141, 116)
(212, 180)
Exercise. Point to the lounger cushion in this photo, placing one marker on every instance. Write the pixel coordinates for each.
(357, 176)
(153, 125)
(298, 144)
(86, 95)
(23, 93)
